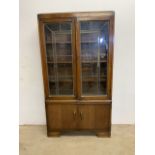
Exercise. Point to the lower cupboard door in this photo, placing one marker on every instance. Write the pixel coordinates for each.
(94, 117)
(61, 117)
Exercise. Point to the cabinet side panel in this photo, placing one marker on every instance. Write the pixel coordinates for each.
(54, 117)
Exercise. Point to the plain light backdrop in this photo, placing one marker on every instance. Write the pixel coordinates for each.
(32, 109)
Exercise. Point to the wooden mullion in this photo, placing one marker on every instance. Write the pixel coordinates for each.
(74, 64)
(78, 59)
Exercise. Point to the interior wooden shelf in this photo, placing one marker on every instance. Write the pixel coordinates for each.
(54, 81)
(83, 80)
(92, 80)
(60, 62)
(87, 42)
(82, 42)
(69, 62)
(103, 61)
(65, 32)
(50, 42)
(87, 79)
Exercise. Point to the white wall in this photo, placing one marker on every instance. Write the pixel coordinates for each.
(32, 109)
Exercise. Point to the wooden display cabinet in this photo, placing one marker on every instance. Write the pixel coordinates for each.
(77, 60)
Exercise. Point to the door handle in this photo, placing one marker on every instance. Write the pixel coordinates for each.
(81, 115)
(74, 115)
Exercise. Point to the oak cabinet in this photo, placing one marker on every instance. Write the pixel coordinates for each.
(77, 63)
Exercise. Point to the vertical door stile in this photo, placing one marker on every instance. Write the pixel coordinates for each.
(43, 57)
(78, 82)
(110, 64)
(74, 63)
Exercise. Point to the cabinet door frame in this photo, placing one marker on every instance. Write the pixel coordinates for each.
(41, 21)
(61, 117)
(94, 116)
(103, 17)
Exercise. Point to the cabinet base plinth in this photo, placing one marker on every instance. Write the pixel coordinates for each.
(103, 134)
(98, 134)
(53, 134)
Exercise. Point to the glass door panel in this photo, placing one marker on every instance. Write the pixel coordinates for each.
(94, 44)
(58, 39)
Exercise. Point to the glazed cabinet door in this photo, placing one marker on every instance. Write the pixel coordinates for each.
(95, 37)
(58, 54)
(61, 117)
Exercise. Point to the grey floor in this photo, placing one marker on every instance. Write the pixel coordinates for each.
(33, 141)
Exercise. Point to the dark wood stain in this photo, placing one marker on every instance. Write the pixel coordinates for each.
(77, 112)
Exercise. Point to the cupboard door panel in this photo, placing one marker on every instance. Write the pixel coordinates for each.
(61, 117)
(86, 117)
(94, 117)
(69, 116)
